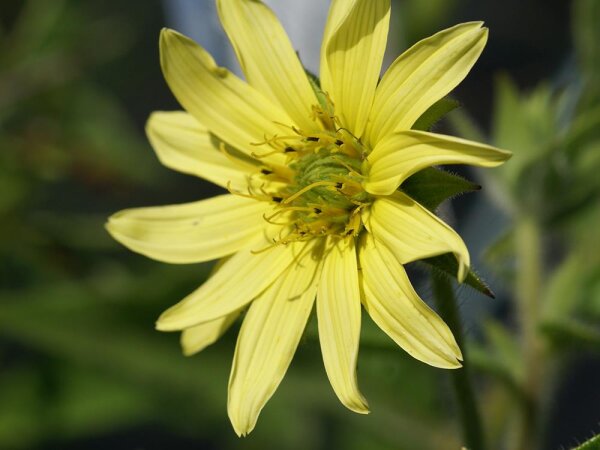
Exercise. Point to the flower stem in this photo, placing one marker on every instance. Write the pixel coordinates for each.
(528, 289)
(461, 379)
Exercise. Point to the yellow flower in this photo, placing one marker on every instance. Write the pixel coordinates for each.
(314, 209)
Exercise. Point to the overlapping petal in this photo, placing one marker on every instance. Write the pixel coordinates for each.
(198, 337)
(183, 144)
(396, 308)
(397, 156)
(267, 57)
(338, 313)
(231, 109)
(190, 232)
(241, 278)
(351, 56)
(268, 339)
(412, 232)
(421, 76)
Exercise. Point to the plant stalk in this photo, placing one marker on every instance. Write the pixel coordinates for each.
(470, 418)
(528, 290)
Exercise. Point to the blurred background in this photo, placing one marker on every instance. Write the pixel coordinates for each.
(81, 366)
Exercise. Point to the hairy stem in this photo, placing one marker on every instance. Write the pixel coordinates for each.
(461, 378)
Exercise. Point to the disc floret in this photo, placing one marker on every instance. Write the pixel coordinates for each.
(325, 193)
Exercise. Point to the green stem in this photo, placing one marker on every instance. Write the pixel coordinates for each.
(528, 290)
(461, 379)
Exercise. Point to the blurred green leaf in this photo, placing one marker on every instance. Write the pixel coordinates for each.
(564, 290)
(501, 356)
(465, 125)
(19, 419)
(585, 19)
(524, 125)
(500, 255)
(570, 334)
(37, 20)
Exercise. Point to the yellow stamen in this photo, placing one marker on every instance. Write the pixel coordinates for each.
(308, 188)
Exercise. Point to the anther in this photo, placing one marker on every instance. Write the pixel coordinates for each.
(312, 139)
(339, 142)
(266, 171)
(289, 150)
(277, 199)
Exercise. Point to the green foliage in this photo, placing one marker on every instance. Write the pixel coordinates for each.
(435, 113)
(447, 265)
(80, 359)
(592, 444)
(586, 15)
(431, 186)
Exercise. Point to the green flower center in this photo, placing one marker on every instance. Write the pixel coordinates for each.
(326, 194)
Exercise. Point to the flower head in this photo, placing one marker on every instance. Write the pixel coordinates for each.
(315, 210)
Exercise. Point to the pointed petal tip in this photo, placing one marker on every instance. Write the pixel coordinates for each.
(363, 409)
(112, 227)
(167, 34)
(474, 23)
(188, 353)
(165, 322)
(165, 31)
(108, 225)
(241, 429)
(458, 365)
(358, 405)
(451, 363)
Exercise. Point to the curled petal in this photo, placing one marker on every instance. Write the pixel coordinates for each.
(396, 308)
(412, 232)
(231, 109)
(422, 75)
(399, 155)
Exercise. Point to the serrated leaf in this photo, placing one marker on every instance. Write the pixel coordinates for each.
(432, 186)
(448, 265)
(435, 113)
(592, 444)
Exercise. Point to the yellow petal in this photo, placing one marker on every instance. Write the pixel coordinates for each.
(197, 338)
(412, 232)
(231, 109)
(267, 57)
(396, 308)
(190, 232)
(338, 312)
(183, 144)
(267, 341)
(351, 56)
(422, 75)
(244, 276)
(397, 156)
